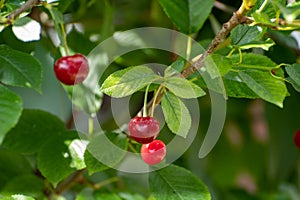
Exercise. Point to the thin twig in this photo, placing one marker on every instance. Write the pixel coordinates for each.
(27, 5)
(68, 183)
(236, 19)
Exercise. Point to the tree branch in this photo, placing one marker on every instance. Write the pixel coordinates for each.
(27, 5)
(237, 18)
(68, 183)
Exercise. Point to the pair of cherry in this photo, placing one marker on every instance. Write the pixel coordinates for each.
(144, 130)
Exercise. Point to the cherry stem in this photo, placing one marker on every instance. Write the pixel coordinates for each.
(65, 44)
(132, 147)
(189, 48)
(145, 101)
(154, 99)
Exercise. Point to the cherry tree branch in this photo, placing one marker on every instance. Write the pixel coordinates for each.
(27, 5)
(237, 18)
(68, 183)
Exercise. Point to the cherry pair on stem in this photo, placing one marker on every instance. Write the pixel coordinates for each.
(144, 130)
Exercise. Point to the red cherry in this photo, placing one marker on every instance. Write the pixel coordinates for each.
(143, 129)
(71, 70)
(154, 152)
(297, 138)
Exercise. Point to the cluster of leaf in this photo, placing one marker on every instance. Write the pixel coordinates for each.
(128, 81)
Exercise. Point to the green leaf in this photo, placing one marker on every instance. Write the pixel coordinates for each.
(235, 87)
(284, 37)
(244, 34)
(231, 85)
(27, 184)
(12, 165)
(105, 149)
(176, 114)
(294, 72)
(10, 110)
(34, 128)
(188, 15)
(54, 159)
(253, 61)
(125, 82)
(217, 65)
(184, 186)
(92, 164)
(262, 18)
(19, 69)
(178, 65)
(183, 88)
(265, 85)
(294, 84)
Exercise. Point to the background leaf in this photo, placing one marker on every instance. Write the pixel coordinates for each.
(235, 87)
(243, 34)
(176, 114)
(125, 82)
(27, 184)
(184, 186)
(217, 65)
(251, 60)
(10, 110)
(265, 85)
(294, 72)
(19, 69)
(55, 165)
(105, 149)
(93, 165)
(188, 15)
(12, 165)
(33, 130)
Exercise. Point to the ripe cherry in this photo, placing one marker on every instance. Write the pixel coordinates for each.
(297, 138)
(71, 70)
(154, 152)
(143, 129)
